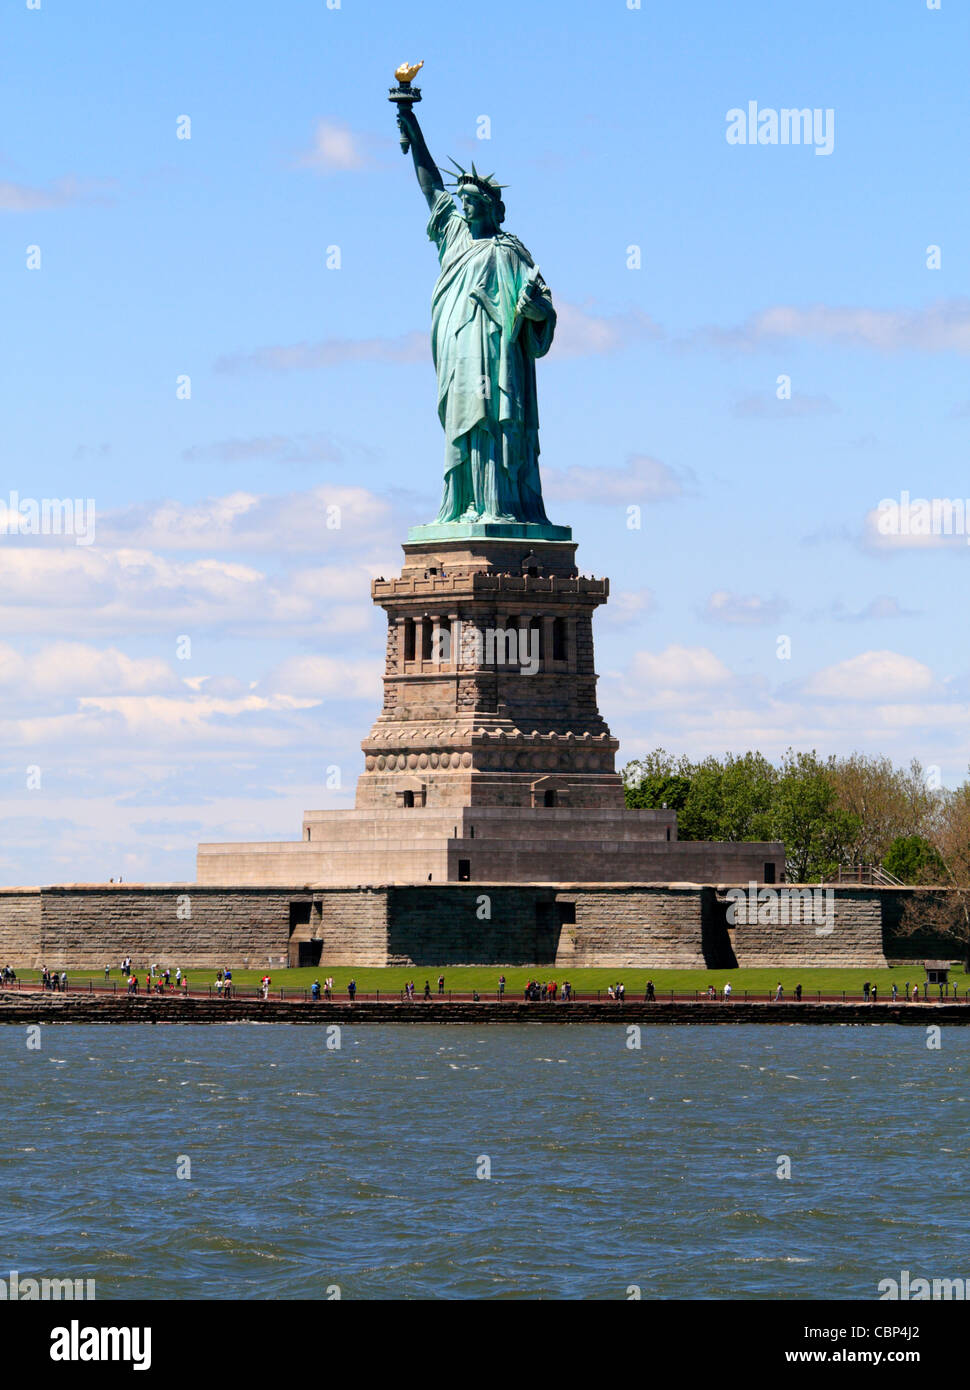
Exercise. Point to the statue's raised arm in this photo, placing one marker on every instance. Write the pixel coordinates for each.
(492, 317)
(429, 176)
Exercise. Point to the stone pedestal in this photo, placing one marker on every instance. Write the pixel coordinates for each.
(489, 761)
(489, 684)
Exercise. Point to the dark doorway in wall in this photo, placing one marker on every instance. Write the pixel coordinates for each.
(548, 798)
(409, 798)
(309, 952)
(769, 873)
(464, 870)
(299, 915)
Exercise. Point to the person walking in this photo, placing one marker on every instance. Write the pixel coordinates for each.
(727, 992)
(779, 993)
(441, 984)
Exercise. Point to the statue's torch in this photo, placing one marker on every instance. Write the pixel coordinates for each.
(404, 93)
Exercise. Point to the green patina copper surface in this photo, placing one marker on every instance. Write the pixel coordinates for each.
(492, 316)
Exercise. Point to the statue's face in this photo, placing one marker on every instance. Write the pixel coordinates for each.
(475, 206)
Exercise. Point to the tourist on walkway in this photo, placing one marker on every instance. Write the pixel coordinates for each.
(727, 992)
(798, 994)
(779, 993)
(427, 989)
(441, 984)
(315, 990)
(875, 992)
(865, 991)
(352, 990)
(895, 991)
(501, 986)
(328, 987)
(650, 993)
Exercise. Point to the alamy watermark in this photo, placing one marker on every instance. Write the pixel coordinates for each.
(20, 1289)
(48, 516)
(499, 646)
(790, 126)
(774, 907)
(923, 516)
(908, 1289)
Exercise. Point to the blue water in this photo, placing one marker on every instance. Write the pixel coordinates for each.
(313, 1168)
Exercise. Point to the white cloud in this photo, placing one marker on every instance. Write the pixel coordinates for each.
(941, 327)
(878, 676)
(767, 406)
(643, 479)
(746, 610)
(318, 676)
(580, 333)
(331, 517)
(337, 149)
(62, 193)
(330, 352)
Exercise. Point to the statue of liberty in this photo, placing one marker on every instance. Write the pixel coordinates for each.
(491, 317)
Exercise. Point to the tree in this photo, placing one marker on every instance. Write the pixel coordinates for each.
(657, 780)
(887, 802)
(914, 860)
(806, 815)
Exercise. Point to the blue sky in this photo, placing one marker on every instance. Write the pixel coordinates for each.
(312, 386)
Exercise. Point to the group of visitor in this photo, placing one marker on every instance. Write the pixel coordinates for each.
(157, 981)
(617, 992)
(7, 976)
(50, 979)
(544, 992)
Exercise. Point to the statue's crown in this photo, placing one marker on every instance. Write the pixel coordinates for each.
(485, 184)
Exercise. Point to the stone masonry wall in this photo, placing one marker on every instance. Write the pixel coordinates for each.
(568, 925)
(19, 925)
(180, 924)
(656, 927)
(844, 930)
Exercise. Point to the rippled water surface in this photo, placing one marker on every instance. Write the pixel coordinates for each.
(356, 1167)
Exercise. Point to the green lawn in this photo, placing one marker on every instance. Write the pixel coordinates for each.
(586, 981)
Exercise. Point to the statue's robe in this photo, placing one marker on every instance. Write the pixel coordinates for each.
(484, 354)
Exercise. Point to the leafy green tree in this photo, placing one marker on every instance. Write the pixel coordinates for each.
(657, 780)
(914, 860)
(818, 834)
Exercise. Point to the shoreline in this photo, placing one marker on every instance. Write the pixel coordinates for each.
(33, 1008)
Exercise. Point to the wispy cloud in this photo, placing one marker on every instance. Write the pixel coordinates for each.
(337, 149)
(329, 352)
(766, 406)
(940, 327)
(582, 333)
(643, 479)
(742, 610)
(61, 193)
